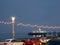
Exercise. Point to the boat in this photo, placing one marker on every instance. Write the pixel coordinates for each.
(38, 33)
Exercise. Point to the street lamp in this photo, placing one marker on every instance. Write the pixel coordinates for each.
(13, 21)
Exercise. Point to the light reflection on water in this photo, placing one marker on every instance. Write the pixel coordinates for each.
(4, 36)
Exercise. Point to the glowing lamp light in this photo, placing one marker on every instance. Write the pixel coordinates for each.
(13, 18)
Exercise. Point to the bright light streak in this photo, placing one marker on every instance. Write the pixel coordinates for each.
(31, 25)
(38, 26)
(3, 22)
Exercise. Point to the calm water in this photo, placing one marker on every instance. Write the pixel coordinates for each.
(8, 35)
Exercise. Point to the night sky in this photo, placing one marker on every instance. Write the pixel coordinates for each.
(40, 12)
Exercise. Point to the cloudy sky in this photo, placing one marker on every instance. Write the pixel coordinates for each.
(40, 12)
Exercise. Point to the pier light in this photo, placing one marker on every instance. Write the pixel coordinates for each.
(13, 18)
(13, 21)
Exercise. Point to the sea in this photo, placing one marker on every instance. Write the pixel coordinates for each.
(4, 36)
